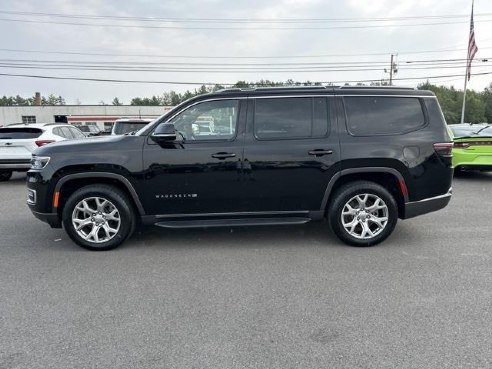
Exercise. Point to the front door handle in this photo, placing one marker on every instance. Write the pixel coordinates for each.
(223, 155)
(320, 152)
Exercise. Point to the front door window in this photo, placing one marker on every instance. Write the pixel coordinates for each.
(210, 120)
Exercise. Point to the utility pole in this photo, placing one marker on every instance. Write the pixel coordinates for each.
(392, 70)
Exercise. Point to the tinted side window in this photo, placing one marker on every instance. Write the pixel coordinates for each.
(297, 117)
(57, 131)
(76, 133)
(376, 115)
(66, 133)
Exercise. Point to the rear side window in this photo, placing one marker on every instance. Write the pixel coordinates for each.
(368, 116)
(76, 133)
(66, 132)
(19, 133)
(58, 132)
(296, 117)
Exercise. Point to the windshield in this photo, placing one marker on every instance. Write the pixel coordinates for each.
(120, 128)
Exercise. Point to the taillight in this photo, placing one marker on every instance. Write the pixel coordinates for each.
(444, 149)
(461, 145)
(40, 143)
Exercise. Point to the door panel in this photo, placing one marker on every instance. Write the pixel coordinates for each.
(289, 174)
(199, 172)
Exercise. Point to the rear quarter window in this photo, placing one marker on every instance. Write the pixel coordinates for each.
(19, 133)
(375, 115)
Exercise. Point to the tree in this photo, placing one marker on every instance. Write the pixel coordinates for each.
(116, 102)
(475, 108)
(50, 100)
(487, 101)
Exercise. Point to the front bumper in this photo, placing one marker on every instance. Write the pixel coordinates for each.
(51, 218)
(415, 208)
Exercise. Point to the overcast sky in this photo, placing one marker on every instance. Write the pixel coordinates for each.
(410, 39)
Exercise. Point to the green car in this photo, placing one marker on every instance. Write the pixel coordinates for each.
(472, 146)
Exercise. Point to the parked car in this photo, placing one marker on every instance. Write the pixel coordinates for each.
(472, 147)
(359, 157)
(18, 141)
(127, 125)
(90, 130)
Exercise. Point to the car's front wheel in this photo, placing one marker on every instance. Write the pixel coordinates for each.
(98, 217)
(5, 175)
(363, 213)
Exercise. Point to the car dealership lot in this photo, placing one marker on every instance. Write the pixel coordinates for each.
(276, 297)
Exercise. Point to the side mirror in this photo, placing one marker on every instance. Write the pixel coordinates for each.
(164, 132)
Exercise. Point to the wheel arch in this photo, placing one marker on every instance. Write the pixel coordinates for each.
(389, 178)
(72, 182)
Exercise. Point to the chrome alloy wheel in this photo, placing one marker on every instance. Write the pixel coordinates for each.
(364, 216)
(96, 219)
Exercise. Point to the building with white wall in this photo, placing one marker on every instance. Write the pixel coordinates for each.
(101, 115)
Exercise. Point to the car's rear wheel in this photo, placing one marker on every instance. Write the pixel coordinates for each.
(98, 217)
(5, 175)
(363, 213)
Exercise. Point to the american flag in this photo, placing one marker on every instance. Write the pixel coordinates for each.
(472, 46)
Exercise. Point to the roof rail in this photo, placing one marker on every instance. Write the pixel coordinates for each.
(32, 124)
(225, 90)
(274, 88)
(378, 87)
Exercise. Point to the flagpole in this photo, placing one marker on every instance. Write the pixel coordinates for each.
(467, 69)
(464, 94)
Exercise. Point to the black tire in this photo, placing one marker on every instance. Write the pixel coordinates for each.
(347, 192)
(5, 175)
(460, 172)
(117, 199)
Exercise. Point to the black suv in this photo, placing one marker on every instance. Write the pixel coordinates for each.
(360, 157)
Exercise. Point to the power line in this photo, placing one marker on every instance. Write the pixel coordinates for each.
(106, 54)
(111, 25)
(222, 84)
(239, 20)
(138, 63)
(221, 70)
(126, 66)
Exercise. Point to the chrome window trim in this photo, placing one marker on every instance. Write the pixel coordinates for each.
(333, 94)
(202, 101)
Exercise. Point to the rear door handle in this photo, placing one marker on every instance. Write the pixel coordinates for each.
(320, 152)
(223, 155)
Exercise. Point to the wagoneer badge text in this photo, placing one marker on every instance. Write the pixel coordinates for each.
(176, 196)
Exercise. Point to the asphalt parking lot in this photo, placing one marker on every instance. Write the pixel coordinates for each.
(277, 297)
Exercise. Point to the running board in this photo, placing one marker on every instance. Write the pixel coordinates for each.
(231, 222)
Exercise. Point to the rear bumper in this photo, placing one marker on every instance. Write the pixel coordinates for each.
(481, 167)
(51, 218)
(415, 208)
(14, 164)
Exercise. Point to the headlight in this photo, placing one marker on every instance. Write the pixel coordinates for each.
(39, 162)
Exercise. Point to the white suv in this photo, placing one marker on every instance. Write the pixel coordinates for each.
(18, 141)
